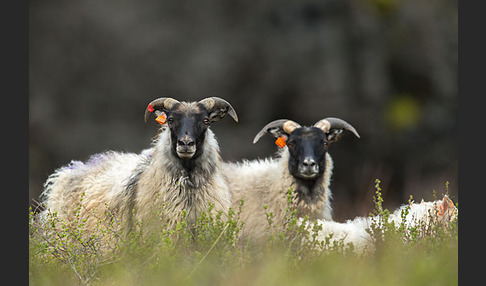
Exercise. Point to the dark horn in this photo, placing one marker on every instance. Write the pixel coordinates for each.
(159, 104)
(281, 126)
(213, 103)
(335, 123)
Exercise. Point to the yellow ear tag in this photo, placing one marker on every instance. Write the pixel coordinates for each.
(161, 119)
(280, 142)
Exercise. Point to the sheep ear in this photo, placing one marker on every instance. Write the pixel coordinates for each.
(274, 128)
(272, 131)
(217, 114)
(278, 128)
(277, 133)
(446, 205)
(334, 135)
(217, 108)
(161, 117)
(158, 106)
(334, 128)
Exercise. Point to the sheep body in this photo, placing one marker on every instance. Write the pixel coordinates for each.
(422, 214)
(182, 190)
(302, 166)
(120, 182)
(266, 183)
(151, 187)
(97, 186)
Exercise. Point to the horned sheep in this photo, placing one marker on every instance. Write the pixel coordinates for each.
(182, 171)
(303, 165)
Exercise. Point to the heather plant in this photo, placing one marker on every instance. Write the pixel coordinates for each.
(412, 231)
(212, 252)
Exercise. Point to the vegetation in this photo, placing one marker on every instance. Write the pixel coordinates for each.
(213, 253)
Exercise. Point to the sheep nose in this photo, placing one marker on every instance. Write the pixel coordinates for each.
(185, 142)
(309, 162)
(308, 168)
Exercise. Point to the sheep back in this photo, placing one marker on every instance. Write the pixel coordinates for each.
(94, 190)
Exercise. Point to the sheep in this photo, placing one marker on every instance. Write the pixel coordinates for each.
(303, 165)
(181, 171)
(422, 215)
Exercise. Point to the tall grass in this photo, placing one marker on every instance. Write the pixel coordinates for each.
(211, 252)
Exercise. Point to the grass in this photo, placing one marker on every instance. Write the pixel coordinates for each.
(212, 253)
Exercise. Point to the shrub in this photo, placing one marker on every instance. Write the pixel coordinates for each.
(211, 252)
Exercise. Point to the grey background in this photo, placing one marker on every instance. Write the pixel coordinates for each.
(390, 68)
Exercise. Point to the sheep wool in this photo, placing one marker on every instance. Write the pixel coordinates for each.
(265, 183)
(178, 178)
(142, 186)
(95, 189)
(176, 189)
(424, 214)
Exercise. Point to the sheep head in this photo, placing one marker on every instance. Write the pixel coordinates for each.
(189, 121)
(307, 145)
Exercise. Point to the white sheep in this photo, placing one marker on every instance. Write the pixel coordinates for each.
(354, 231)
(303, 165)
(182, 171)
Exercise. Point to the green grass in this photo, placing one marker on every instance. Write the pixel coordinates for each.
(212, 253)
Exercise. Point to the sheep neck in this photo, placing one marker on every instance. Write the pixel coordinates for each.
(310, 197)
(309, 190)
(193, 173)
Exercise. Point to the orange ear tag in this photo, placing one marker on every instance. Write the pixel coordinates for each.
(441, 210)
(161, 119)
(280, 142)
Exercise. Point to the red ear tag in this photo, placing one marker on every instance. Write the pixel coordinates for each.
(150, 108)
(161, 119)
(280, 142)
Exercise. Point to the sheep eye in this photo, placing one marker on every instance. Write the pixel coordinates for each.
(290, 144)
(170, 120)
(206, 121)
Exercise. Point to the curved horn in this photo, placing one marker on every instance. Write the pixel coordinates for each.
(277, 128)
(335, 123)
(220, 107)
(158, 104)
(290, 126)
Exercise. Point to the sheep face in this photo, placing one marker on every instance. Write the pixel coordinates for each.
(188, 122)
(307, 148)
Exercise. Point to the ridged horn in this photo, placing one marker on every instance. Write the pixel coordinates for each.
(289, 126)
(214, 103)
(279, 127)
(159, 104)
(329, 123)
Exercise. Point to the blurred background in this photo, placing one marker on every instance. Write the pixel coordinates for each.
(388, 67)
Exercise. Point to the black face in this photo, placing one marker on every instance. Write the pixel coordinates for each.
(307, 147)
(187, 130)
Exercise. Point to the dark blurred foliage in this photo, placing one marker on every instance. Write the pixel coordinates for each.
(388, 67)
